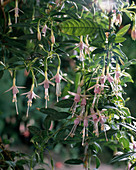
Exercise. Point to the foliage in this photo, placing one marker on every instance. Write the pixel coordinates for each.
(41, 38)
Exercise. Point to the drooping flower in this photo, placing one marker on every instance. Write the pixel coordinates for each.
(58, 78)
(85, 128)
(97, 117)
(46, 83)
(44, 29)
(118, 19)
(97, 90)
(102, 81)
(16, 9)
(30, 95)
(81, 46)
(76, 99)
(15, 90)
(72, 132)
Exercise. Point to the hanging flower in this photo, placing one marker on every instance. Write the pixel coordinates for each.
(46, 83)
(16, 9)
(15, 90)
(58, 78)
(44, 29)
(72, 132)
(30, 95)
(81, 46)
(118, 19)
(76, 99)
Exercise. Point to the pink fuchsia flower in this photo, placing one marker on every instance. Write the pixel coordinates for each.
(76, 99)
(102, 81)
(16, 9)
(118, 19)
(44, 29)
(97, 117)
(85, 128)
(97, 90)
(30, 95)
(81, 46)
(77, 121)
(46, 83)
(15, 90)
(72, 132)
(109, 78)
(58, 78)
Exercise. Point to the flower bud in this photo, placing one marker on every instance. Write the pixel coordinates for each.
(52, 38)
(133, 33)
(39, 35)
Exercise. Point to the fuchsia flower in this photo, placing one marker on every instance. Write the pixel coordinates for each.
(76, 123)
(81, 46)
(30, 95)
(58, 78)
(16, 9)
(85, 128)
(109, 78)
(97, 117)
(46, 83)
(118, 19)
(15, 90)
(44, 29)
(76, 99)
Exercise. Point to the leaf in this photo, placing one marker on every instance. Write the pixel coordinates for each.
(34, 129)
(124, 141)
(79, 27)
(119, 39)
(119, 52)
(21, 162)
(74, 161)
(97, 161)
(1, 73)
(67, 103)
(128, 126)
(54, 114)
(47, 123)
(120, 157)
(123, 31)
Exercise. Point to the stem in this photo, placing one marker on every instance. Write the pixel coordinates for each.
(14, 77)
(33, 79)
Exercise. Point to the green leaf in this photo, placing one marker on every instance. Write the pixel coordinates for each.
(119, 39)
(67, 103)
(21, 162)
(74, 161)
(124, 141)
(1, 73)
(123, 156)
(119, 52)
(54, 114)
(47, 123)
(79, 27)
(128, 126)
(34, 129)
(97, 161)
(123, 31)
